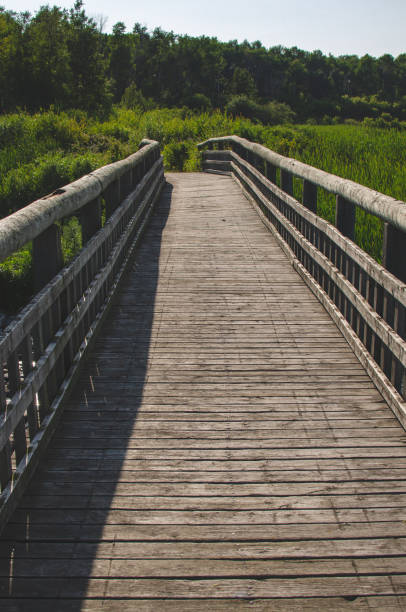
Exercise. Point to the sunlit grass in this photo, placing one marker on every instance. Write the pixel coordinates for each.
(41, 152)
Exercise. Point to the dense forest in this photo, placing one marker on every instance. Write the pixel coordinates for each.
(62, 58)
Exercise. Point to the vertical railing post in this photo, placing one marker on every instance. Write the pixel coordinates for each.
(287, 182)
(47, 257)
(90, 219)
(394, 251)
(270, 172)
(112, 197)
(310, 196)
(345, 217)
(259, 164)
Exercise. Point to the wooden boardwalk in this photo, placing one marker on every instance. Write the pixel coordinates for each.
(223, 449)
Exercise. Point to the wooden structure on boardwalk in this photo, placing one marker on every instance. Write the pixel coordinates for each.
(234, 439)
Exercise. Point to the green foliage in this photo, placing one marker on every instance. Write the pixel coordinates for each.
(90, 90)
(199, 102)
(15, 280)
(271, 113)
(46, 63)
(367, 155)
(71, 238)
(30, 181)
(242, 83)
(120, 60)
(41, 152)
(60, 57)
(133, 99)
(176, 154)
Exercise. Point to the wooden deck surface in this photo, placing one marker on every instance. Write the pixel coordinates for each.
(223, 449)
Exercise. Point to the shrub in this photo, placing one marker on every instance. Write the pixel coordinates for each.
(134, 99)
(199, 102)
(175, 155)
(16, 285)
(271, 113)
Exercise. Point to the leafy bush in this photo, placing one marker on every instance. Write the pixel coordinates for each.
(31, 181)
(271, 113)
(199, 102)
(15, 281)
(175, 155)
(134, 99)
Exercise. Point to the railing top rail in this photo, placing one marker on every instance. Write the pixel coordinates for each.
(29, 222)
(385, 207)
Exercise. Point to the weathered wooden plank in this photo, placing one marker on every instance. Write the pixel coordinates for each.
(134, 501)
(55, 488)
(272, 465)
(215, 517)
(335, 604)
(196, 568)
(240, 588)
(397, 454)
(51, 541)
(104, 440)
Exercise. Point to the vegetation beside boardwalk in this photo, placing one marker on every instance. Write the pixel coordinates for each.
(350, 111)
(41, 152)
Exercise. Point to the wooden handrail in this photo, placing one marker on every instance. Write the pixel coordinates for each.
(41, 349)
(29, 222)
(367, 301)
(385, 207)
(348, 195)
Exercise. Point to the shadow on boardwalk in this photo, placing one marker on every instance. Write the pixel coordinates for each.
(61, 535)
(265, 471)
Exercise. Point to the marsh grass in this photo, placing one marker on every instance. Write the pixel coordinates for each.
(41, 152)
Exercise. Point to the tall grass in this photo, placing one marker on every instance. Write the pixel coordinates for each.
(367, 155)
(41, 152)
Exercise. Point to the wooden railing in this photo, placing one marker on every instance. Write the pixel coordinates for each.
(41, 349)
(367, 300)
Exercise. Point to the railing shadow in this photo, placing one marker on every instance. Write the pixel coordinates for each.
(57, 544)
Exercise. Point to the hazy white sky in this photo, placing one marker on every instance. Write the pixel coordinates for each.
(339, 27)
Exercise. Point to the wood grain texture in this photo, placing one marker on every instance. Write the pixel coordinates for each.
(223, 448)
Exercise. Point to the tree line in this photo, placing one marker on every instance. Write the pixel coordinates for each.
(62, 58)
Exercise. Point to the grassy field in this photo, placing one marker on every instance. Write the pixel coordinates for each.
(41, 152)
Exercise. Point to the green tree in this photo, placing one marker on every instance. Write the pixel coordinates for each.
(47, 75)
(120, 60)
(10, 65)
(90, 88)
(242, 83)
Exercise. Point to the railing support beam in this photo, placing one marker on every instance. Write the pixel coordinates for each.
(112, 197)
(345, 217)
(90, 219)
(394, 251)
(310, 196)
(47, 257)
(270, 172)
(287, 182)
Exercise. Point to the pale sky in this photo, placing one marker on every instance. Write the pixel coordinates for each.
(339, 27)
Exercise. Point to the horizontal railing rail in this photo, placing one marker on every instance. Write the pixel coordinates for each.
(41, 349)
(366, 299)
(348, 194)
